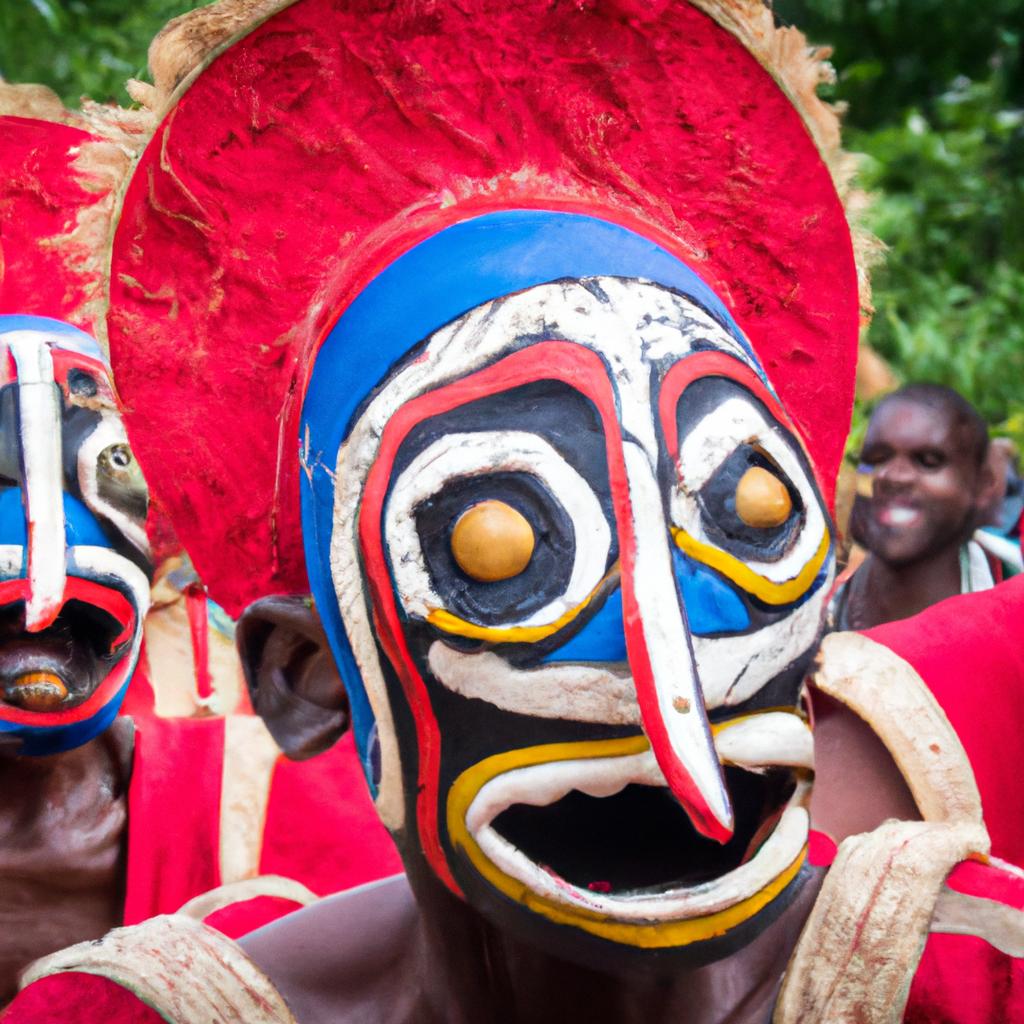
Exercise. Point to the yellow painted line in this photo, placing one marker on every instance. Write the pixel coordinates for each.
(449, 623)
(752, 582)
(647, 935)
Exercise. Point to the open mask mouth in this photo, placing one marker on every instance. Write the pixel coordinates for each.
(589, 834)
(60, 667)
(79, 660)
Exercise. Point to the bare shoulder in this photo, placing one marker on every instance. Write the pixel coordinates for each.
(346, 957)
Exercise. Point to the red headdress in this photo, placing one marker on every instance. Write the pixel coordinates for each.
(313, 142)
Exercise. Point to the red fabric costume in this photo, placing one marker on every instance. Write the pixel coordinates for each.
(174, 803)
(968, 651)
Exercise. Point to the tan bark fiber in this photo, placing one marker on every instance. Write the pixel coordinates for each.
(863, 940)
(888, 694)
(275, 886)
(187, 972)
(861, 945)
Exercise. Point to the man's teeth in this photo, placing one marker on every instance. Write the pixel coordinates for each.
(900, 516)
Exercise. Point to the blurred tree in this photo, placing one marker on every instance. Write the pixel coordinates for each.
(935, 90)
(81, 47)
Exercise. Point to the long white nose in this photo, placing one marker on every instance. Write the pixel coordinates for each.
(661, 656)
(39, 432)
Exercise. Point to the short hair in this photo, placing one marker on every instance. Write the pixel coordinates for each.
(963, 415)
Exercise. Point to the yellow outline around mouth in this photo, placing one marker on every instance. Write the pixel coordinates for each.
(752, 582)
(655, 935)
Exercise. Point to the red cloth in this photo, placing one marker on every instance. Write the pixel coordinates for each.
(173, 814)
(78, 999)
(321, 828)
(963, 980)
(969, 653)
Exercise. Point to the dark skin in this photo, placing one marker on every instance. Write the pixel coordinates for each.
(64, 817)
(406, 951)
(385, 955)
(62, 862)
(928, 488)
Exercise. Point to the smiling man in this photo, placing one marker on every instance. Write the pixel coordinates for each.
(925, 479)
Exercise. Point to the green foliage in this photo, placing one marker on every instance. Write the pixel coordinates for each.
(935, 92)
(81, 47)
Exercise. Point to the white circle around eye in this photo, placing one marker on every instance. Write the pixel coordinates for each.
(109, 431)
(456, 456)
(703, 451)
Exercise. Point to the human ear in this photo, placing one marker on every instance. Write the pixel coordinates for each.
(991, 486)
(293, 682)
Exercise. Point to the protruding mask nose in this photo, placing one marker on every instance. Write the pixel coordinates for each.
(39, 439)
(661, 655)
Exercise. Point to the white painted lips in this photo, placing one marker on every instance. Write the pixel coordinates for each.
(758, 742)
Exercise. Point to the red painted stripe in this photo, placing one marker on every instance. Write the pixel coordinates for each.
(199, 631)
(698, 367)
(574, 365)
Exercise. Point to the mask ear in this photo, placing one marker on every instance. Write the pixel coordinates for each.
(289, 669)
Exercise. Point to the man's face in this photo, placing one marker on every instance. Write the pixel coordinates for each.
(924, 483)
(593, 555)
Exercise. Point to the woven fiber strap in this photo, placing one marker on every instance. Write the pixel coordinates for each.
(861, 945)
(188, 973)
(887, 693)
(864, 938)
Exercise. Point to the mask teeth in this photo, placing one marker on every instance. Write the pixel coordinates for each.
(39, 414)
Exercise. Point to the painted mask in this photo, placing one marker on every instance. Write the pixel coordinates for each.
(551, 312)
(74, 559)
(581, 557)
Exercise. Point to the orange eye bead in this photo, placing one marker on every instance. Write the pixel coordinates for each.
(492, 541)
(762, 500)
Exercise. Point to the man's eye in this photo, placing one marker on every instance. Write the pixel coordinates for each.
(871, 459)
(931, 460)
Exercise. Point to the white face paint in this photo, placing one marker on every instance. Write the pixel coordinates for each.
(638, 330)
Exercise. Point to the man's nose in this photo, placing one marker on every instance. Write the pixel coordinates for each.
(896, 472)
(661, 656)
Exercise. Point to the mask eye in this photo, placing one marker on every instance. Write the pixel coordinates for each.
(492, 541)
(762, 500)
(746, 503)
(750, 506)
(494, 536)
(111, 481)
